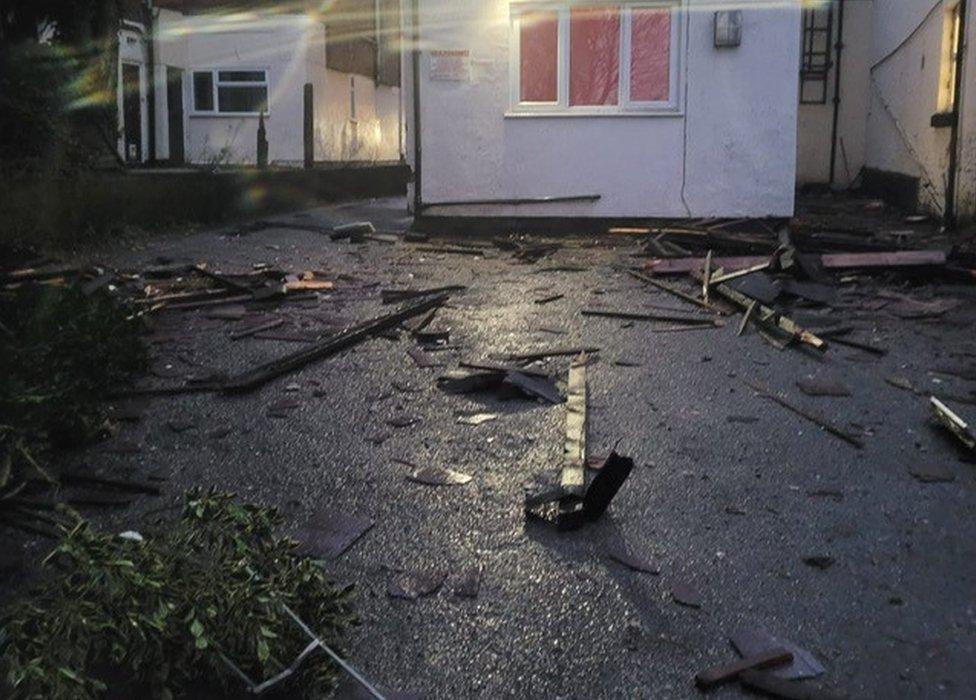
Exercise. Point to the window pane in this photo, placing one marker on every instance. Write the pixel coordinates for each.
(594, 55)
(241, 76)
(203, 92)
(242, 99)
(650, 55)
(538, 53)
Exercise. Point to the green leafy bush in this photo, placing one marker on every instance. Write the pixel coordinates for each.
(154, 616)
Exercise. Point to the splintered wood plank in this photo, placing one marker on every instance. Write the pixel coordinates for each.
(676, 266)
(831, 261)
(954, 423)
(573, 479)
(902, 258)
(674, 292)
(768, 314)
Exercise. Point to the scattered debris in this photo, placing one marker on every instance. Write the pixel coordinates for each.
(477, 418)
(422, 359)
(769, 317)
(570, 512)
(542, 388)
(469, 583)
(822, 423)
(723, 673)
(549, 300)
(819, 561)
(932, 473)
(633, 563)
(823, 387)
(956, 425)
(686, 595)
(435, 476)
(395, 296)
(752, 642)
(832, 261)
(552, 352)
(283, 408)
(573, 478)
(262, 374)
(687, 320)
(674, 292)
(259, 327)
(410, 586)
(329, 534)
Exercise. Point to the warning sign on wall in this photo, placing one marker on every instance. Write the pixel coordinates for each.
(450, 65)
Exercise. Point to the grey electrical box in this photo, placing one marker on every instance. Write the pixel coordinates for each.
(728, 29)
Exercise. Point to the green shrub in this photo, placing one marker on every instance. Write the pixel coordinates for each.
(154, 617)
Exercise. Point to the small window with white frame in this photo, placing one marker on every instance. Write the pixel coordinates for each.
(230, 91)
(590, 58)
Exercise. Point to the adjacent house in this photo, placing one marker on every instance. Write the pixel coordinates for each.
(199, 77)
(602, 109)
(888, 100)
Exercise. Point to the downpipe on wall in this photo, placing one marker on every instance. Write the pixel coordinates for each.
(839, 49)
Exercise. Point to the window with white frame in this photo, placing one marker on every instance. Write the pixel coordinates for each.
(595, 57)
(230, 91)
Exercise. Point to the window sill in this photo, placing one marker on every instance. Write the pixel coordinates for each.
(573, 114)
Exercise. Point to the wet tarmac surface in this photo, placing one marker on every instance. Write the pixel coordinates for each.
(729, 495)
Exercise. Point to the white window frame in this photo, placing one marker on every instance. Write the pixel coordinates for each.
(217, 83)
(625, 106)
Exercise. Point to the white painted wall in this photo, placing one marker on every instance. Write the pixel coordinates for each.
(374, 134)
(292, 48)
(904, 95)
(815, 122)
(732, 152)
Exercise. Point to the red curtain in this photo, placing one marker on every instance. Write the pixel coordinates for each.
(594, 55)
(650, 55)
(538, 54)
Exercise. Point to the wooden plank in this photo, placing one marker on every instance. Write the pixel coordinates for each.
(573, 478)
(675, 292)
(260, 328)
(900, 258)
(36, 275)
(626, 315)
(769, 315)
(746, 316)
(831, 261)
(678, 266)
(707, 276)
(264, 373)
(956, 425)
(740, 273)
(822, 423)
(552, 352)
(222, 280)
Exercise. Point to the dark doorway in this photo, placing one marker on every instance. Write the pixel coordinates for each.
(174, 100)
(131, 113)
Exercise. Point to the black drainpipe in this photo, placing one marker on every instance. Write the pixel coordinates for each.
(151, 77)
(839, 48)
(950, 204)
(418, 201)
